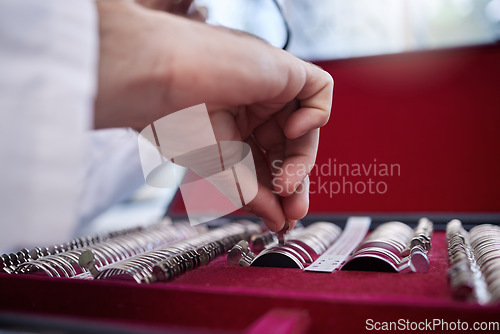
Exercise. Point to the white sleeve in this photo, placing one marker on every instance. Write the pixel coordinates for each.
(113, 171)
(48, 65)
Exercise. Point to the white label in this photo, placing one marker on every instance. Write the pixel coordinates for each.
(354, 232)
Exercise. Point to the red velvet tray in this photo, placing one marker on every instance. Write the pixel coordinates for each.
(218, 297)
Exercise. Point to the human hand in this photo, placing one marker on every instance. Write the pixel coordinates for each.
(182, 8)
(153, 64)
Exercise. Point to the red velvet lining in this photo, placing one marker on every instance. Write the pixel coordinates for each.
(219, 296)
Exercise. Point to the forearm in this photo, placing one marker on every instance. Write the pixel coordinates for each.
(154, 63)
(128, 77)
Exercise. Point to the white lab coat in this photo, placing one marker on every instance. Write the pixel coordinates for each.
(48, 63)
(113, 172)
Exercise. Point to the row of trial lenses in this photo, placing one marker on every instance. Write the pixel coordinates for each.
(387, 242)
(243, 253)
(422, 235)
(168, 262)
(176, 265)
(420, 245)
(9, 262)
(460, 257)
(119, 248)
(261, 241)
(485, 242)
(303, 248)
(394, 236)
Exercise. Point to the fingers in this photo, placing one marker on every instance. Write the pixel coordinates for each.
(305, 120)
(302, 132)
(271, 138)
(290, 159)
(155, 4)
(224, 125)
(178, 7)
(182, 8)
(292, 138)
(266, 203)
(300, 156)
(315, 103)
(289, 162)
(295, 206)
(267, 206)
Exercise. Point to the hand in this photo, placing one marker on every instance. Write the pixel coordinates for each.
(152, 64)
(181, 8)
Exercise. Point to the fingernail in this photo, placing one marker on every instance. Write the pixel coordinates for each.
(293, 222)
(285, 228)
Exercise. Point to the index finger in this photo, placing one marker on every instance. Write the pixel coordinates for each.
(300, 156)
(315, 100)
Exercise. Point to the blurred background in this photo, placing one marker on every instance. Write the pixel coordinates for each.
(332, 29)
